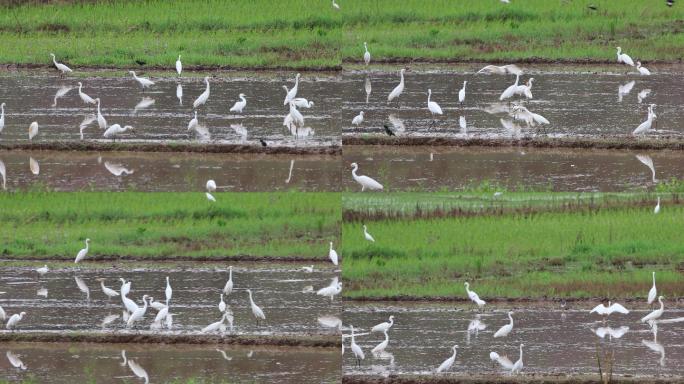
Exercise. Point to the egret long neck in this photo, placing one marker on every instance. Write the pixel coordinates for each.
(510, 318)
(402, 77)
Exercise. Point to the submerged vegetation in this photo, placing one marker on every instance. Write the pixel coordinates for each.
(301, 33)
(168, 225)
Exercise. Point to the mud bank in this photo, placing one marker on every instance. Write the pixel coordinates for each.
(526, 379)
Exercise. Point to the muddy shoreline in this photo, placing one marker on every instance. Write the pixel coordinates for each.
(120, 258)
(529, 301)
(496, 379)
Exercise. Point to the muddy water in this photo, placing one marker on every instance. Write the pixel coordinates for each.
(574, 103)
(56, 302)
(431, 169)
(174, 172)
(555, 342)
(80, 363)
(159, 115)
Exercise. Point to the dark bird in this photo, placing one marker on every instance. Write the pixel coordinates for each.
(669, 3)
(263, 143)
(388, 131)
(592, 7)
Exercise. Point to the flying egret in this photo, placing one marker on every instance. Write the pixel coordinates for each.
(222, 305)
(2, 116)
(518, 366)
(115, 130)
(461, 93)
(201, 99)
(656, 210)
(506, 329)
(367, 235)
(653, 292)
(100, 119)
(179, 93)
(228, 288)
(256, 311)
(365, 181)
(501, 70)
(642, 70)
(239, 105)
(44, 269)
(604, 311)
(292, 93)
(168, 292)
(646, 125)
(624, 58)
(448, 362)
(396, 92)
(655, 314)
(473, 296)
(86, 99)
(434, 108)
(380, 348)
(143, 81)
(332, 254)
(366, 55)
(511, 90)
(358, 352)
(108, 291)
(83, 252)
(384, 327)
(14, 320)
(60, 67)
(179, 66)
(138, 313)
(358, 119)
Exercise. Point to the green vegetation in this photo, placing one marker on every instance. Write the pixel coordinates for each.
(603, 250)
(304, 33)
(168, 225)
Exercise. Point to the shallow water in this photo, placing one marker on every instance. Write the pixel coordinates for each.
(55, 302)
(574, 103)
(436, 168)
(158, 115)
(555, 342)
(168, 172)
(102, 363)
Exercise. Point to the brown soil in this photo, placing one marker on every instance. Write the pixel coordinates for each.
(498, 379)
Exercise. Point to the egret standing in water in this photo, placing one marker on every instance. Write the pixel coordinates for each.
(511, 90)
(624, 58)
(655, 314)
(193, 123)
(44, 269)
(642, 70)
(292, 93)
(604, 311)
(473, 296)
(461, 93)
(646, 125)
(179, 66)
(396, 92)
(256, 311)
(366, 55)
(382, 346)
(358, 352)
(448, 362)
(139, 313)
(384, 327)
(518, 366)
(83, 252)
(60, 67)
(434, 108)
(115, 130)
(143, 81)
(506, 329)
(86, 99)
(239, 105)
(358, 119)
(202, 99)
(367, 235)
(101, 122)
(168, 291)
(365, 181)
(2, 116)
(228, 288)
(14, 320)
(332, 254)
(653, 292)
(108, 291)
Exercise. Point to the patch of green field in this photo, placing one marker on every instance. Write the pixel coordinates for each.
(586, 253)
(168, 225)
(303, 33)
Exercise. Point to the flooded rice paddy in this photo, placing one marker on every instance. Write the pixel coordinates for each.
(436, 168)
(173, 172)
(577, 104)
(130, 363)
(163, 111)
(72, 298)
(556, 341)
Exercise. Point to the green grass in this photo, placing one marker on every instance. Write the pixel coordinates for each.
(588, 253)
(304, 33)
(168, 225)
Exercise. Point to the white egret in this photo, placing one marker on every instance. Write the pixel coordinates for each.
(15, 360)
(86, 99)
(115, 130)
(169, 320)
(656, 210)
(448, 362)
(60, 67)
(146, 102)
(123, 356)
(335, 6)
(335, 288)
(129, 304)
(143, 81)
(396, 92)
(201, 99)
(100, 119)
(365, 181)
(612, 333)
(138, 313)
(511, 90)
(161, 315)
(296, 116)
(366, 55)
(33, 130)
(301, 102)
(308, 268)
(117, 169)
(531, 119)
(380, 348)
(179, 93)
(624, 58)
(501, 70)
(179, 66)
(367, 235)
(384, 327)
(211, 185)
(506, 329)
(502, 360)
(525, 89)
(34, 166)
(648, 161)
(476, 325)
(44, 269)
(643, 94)
(3, 315)
(14, 320)
(222, 305)
(367, 88)
(256, 311)
(83, 252)
(61, 92)
(358, 352)
(193, 123)
(108, 291)
(156, 304)
(602, 310)
(653, 292)
(642, 70)
(332, 254)
(125, 287)
(43, 292)
(138, 370)
(3, 173)
(434, 108)
(2, 116)
(239, 105)
(82, 286)
(330, 321)
(473, 296)
(228, 288)
(168, 292)
(358, 119)
(655, 314)
(624, 89)
(292, 93)
(461, 93)
(463, 124)
(518, 366)
(86, 122)
(646, 125)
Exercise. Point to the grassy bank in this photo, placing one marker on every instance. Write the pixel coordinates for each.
(168, 225)
(301, 33)
(586, 253)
